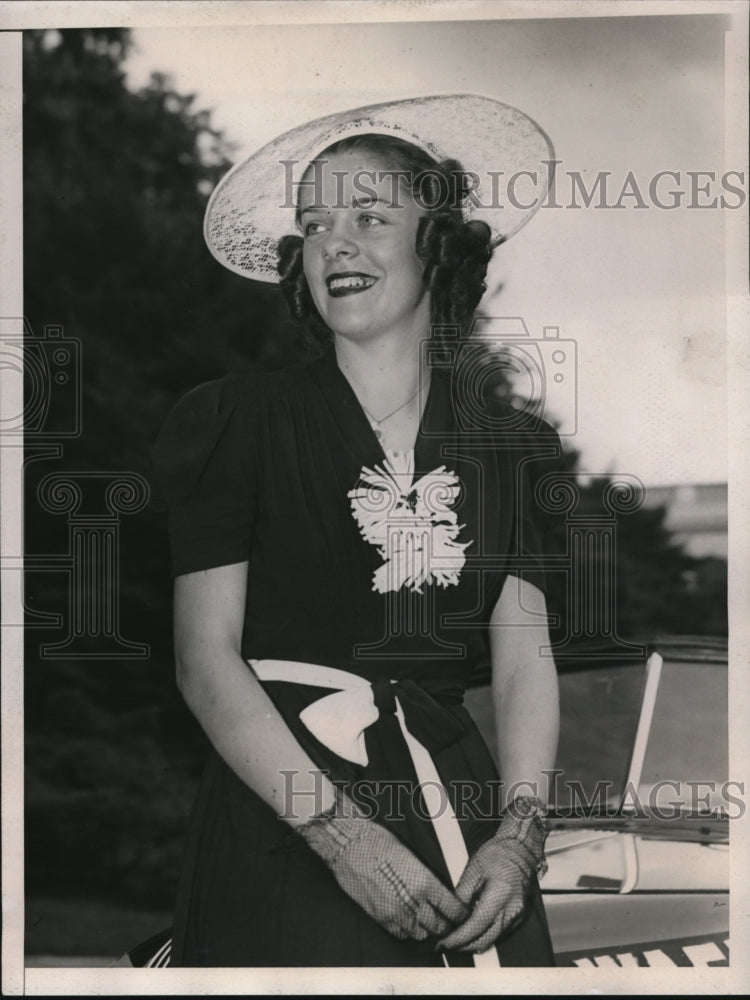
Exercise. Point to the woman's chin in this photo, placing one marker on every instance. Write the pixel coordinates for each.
(346, 318)
(351, 324)
(362, 327)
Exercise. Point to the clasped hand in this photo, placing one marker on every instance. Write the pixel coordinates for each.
(494, 886)
(496, 881)
(383, 876)
(398, 891)
(402, 894)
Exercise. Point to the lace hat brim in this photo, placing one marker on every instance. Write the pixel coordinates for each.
(252, 207)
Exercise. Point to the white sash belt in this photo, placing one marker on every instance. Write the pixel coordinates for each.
(339, 721)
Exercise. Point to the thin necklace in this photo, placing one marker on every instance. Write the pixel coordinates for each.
(377, 424)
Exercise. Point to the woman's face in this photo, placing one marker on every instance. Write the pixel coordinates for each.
(359, 254)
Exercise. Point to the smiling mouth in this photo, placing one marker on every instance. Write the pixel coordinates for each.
(348, 284)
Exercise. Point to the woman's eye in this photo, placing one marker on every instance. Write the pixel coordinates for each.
(312, 228)
(368, 221)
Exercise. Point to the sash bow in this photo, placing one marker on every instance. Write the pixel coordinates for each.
(340, 719)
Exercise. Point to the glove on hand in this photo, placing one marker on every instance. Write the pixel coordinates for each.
(375, 869)
(496, 880)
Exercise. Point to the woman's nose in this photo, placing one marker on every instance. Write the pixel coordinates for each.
(339, 243)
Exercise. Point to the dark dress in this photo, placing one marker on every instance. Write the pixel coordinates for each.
(260, 468)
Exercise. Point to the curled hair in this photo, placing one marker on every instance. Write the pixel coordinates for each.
(455, 253)
(296, 291)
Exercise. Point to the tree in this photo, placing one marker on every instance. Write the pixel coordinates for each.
(116, 184)
(658, 587)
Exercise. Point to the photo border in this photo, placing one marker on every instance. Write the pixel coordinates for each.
(36, 981)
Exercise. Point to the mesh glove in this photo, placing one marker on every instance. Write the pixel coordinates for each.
(374, 868)
(496, 881)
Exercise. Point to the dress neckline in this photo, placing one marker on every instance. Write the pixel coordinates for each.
(355, 425)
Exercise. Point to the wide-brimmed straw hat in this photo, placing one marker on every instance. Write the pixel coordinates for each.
(253, 205)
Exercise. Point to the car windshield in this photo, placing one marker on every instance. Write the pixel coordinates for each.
(686, 759)
(682, 761)
(599, 712)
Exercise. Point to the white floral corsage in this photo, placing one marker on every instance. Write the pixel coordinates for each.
(411, 523)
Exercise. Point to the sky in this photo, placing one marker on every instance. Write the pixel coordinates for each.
(639, 290)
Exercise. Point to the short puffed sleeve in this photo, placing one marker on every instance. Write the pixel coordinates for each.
(205, 472)
(540, 475)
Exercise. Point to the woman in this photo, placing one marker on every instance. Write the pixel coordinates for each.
(347, 546)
